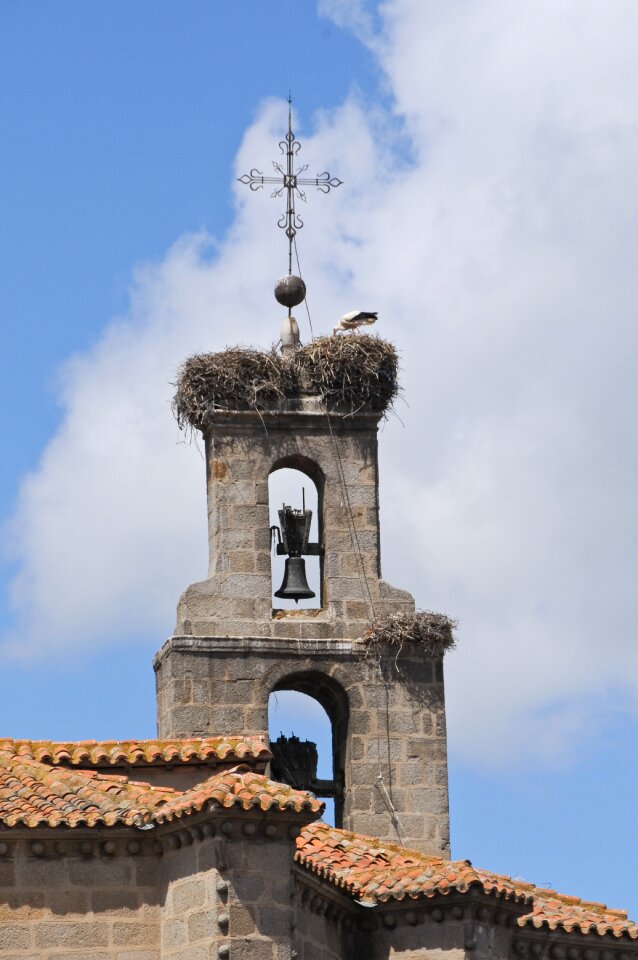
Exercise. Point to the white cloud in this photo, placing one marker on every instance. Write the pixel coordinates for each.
(491, 220)
(353, 15)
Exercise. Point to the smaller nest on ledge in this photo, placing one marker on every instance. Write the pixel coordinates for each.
(432, 631)
(350, 373)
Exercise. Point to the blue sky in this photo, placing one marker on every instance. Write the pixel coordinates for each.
(121, 126)
(473, 205)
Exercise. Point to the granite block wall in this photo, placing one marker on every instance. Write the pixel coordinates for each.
(228, 895)
(388, 720)
(231, 649)
(205, 893)
(74, 899)
(340, 457)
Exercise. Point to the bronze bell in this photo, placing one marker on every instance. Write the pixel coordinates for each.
(295, 586)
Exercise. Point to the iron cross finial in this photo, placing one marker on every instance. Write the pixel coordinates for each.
(290, 181)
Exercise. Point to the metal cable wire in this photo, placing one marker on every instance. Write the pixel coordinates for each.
(379, 677)
(312, 333)
(354, 536)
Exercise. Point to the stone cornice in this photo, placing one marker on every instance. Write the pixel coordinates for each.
(340, 649)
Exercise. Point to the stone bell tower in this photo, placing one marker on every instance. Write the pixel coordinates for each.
(232, 648)
(362, 652)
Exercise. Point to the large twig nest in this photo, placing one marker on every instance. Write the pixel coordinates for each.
(352, 373)
(237, 378)
(434, 632)
(355, 371)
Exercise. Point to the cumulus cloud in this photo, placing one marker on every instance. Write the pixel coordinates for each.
(489, 215)
(111, 526)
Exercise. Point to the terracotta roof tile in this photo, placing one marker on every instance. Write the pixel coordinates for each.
(140, 752)
(370, 870)
(34, 794)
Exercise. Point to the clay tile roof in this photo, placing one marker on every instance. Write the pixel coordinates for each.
(34, 793)
(241, 788)
(370, 870)
(139, 752)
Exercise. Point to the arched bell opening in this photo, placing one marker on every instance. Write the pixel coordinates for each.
(295, 496)
(308, 724)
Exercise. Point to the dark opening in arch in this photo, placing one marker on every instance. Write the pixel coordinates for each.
(312, 709)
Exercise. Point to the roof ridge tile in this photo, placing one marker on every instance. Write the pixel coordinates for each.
(97, 752)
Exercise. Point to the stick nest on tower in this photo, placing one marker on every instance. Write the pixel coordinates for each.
(352, 373)
(434, 632)
(356, 371)
(237, 378)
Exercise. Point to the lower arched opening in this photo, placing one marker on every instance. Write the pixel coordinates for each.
(308, 719)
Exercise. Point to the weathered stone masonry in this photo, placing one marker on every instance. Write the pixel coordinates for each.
(230, 650)
(242, 450)
(186, 894)
(397, 728)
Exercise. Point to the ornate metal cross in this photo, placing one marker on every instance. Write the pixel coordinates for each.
(291, 181)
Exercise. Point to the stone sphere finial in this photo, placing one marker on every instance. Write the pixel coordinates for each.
(290, 291)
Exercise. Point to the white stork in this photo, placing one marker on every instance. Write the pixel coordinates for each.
(355, 319)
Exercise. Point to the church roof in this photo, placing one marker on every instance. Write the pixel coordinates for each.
(47, 784)
(39, 793)
(371, 870)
